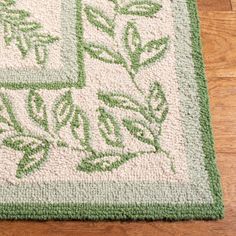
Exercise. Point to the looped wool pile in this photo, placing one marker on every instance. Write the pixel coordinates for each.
(104, 112)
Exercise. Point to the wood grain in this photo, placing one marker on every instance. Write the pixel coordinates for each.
(219, 43)
(233, 3)
(219, 46)
(214, 5)
(222, 93)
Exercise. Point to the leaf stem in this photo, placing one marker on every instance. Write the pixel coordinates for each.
(135, 84)
(170, 158)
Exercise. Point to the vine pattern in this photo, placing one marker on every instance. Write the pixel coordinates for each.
(36, 148)
(24, 33)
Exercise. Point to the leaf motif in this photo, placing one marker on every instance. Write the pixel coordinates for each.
(35, 152)
(37, 109)
(140, 8)
(80, 127)
(6, 3)
(23, 44)
(120, 101)
(24, 143)
(157, 103)
(7, 116)
(103, 53)
(132, 38)
(100, 20)
(109, 128)
(63, 109)
(9, 33)
(26, 27)
(41, 54)
(42, 39)
(15, 16)
(104, 161)
(132, 42)
(141, 131)
(153, 51)
(114, 1)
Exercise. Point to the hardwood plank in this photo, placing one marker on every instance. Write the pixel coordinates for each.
(214, 5)
(222, 92)
(233, 2)
(219, 43)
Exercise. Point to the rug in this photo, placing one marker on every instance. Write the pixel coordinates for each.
(104, 112)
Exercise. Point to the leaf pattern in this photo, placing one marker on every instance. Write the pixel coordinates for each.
(100, 20)
(7, 116)
(23, 44)
(120, 101)
(9, 34)
(37, 109)
(35, 152)
(103, 53)
(104, 161)
(80, 127)
(153, 51)
(63, 109)
(41, 54)
(24, 33)
(109, 128)
(132, 42)
(152, 108)
(5, 3)
(141, 131)
(140, 8)
(157, 103)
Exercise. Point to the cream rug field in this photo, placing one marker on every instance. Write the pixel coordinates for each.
(104, 112)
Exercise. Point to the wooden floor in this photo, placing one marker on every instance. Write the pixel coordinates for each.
(218, 21)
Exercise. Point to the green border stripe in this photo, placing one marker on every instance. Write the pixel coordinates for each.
(147, 211)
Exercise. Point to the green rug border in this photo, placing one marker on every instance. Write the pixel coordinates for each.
(80, 83)
(147, 211)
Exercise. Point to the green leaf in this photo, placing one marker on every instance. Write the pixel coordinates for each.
(104, 54)
(41, 54)
(132, 39)
(35, 152)
(157, 103)
(109, 128)
(120, 101)
(63, 109)
(43, 39)
(15, 16)
(100, 20)
(6, 3)
(37, 109)
(7, 115)
(140, 8)
(23, 44)
(24, 143)
(104, 161)
(114, 1)
(80, 127)
(141, 131)
(133, 45)
(153, 51)
(9, 33)
(26, 27)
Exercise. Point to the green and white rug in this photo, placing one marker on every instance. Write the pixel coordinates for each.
(104, 112)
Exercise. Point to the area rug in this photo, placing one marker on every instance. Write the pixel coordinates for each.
(104, 112)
